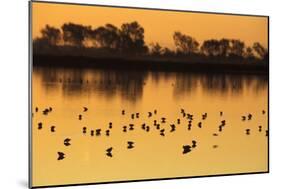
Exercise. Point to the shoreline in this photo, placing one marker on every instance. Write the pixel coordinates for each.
(148, 64)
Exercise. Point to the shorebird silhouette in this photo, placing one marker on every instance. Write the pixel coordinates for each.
(186, 149)
(130, 145)
(98, 132)
(190, 117)
(155, 111)
(155, 122)
(107, 132)
(131, 126)
(158, 126)
(143, 126)
(36, 109)
(178, 121)
(260, 128)
(263, 111)
(110, 125)
(92, 132)
(46, 111)
(204, 116)
(61, 156)
(124, 128)
(53, 128)
(163, 120)
(200, 124)
(50, 109)
(221, 113)
(66, 141)
(123, 112)
(132, 116)
(220, 128)
(40, 125)
(147, 128)
(173, 127)
(84, 130)
(247, 131)
(193, 144)
(215, 134)
(137, 115)
(149, 114)
(162, 132)
(80, 117)
(250, 116)
(266, 133)
(243, 118)
(109, 152)
(85, 109)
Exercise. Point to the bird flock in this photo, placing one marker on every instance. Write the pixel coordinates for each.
(157, 125)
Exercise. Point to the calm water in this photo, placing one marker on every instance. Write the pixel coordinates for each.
(106, 93)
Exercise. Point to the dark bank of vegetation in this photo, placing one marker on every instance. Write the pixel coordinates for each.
(125, 47)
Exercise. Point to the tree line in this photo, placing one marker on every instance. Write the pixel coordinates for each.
(129, 40)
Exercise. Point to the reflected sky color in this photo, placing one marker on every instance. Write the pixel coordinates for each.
(107, 92)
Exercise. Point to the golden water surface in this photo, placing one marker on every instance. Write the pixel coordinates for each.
(107, 92)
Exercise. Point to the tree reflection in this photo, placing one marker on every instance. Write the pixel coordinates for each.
(129, 84)
(185, 84)
(107, 83)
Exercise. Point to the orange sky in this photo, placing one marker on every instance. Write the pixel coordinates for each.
(159, 25)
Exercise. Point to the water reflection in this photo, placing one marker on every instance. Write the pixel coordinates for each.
(129, 85)
(157, 151)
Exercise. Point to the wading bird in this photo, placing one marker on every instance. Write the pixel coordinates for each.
(186, 149)
(61, 156)
(109, 152)
(66, 142)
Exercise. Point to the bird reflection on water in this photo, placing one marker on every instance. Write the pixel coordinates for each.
(194, 108)
(186, 147)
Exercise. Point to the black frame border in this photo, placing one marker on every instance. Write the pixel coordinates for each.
(30, 66)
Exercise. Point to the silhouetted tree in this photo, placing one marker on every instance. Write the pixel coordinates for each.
(156, 49)
(237, 47)
(211, 47)
(260, 50)
(106, 36)
(185, 44)
(224, 47)
(214, 47)
(249, 53)
(50, 35)
(129, 40)
(75, 34)
(132, 38)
